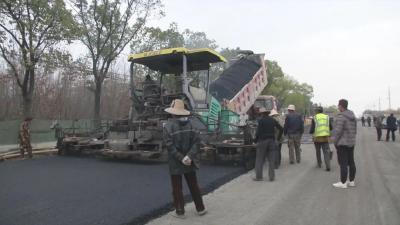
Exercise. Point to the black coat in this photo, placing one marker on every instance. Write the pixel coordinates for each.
(181, 139)
(391, 122)
(266, 129)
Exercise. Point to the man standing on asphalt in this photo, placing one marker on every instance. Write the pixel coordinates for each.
(279, 137)
(182, 142)
(391, 127)
(344, 138)
(378, 126)
(320, 128)
(294, 129)
(369, 121)
(25, 137)
(363, 121)
(266, 144)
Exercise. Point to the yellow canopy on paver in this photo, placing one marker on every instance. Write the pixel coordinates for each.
(170, 60)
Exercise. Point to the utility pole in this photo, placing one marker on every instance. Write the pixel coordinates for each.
(390, 104)
(379, 103)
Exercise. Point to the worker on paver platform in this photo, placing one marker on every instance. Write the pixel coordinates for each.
(279, 138)
(25, 137)
(320, 129)
(266, 144)
(294, 129)
(182, 142)
(344, 137)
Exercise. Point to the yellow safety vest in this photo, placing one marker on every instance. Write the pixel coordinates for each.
(321, 125)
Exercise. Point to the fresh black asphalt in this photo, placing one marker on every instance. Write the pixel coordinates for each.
(57, 190)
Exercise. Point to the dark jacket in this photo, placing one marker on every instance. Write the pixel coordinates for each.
(181, 139)
(266, 129)
(378, 122)
(345, 129)
(391, 122)
(293, 124)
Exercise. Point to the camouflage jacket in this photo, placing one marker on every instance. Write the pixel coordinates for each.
(24, 132)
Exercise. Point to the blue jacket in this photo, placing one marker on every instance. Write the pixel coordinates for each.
(293, 124)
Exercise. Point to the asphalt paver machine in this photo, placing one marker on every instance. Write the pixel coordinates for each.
(218, 108)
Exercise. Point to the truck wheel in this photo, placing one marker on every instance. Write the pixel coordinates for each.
(215, 159)
(248, 159)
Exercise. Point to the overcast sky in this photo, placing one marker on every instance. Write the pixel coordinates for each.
(344, 49)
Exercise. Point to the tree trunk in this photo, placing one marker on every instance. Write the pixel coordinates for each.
(27, 91)
(97, 106)
(27, 106)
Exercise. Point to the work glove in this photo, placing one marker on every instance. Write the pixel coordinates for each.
(186, 161)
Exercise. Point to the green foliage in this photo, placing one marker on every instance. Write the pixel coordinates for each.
(230, 53)
(288, 90)
(155, 38)
(30, 29)
(195, 39)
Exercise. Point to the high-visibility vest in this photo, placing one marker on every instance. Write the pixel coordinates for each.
(321, 125)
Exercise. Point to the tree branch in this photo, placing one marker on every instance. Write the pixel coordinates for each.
(14, 69)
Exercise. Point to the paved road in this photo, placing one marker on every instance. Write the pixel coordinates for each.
(303, 194)
(6, 148)
(84, 191)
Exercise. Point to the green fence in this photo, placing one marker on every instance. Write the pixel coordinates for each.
(40, 130)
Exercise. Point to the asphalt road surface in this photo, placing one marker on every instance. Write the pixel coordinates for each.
(61, 191)
(303, 194)
(85, 191)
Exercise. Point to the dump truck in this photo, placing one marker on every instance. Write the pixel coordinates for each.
(219, 109)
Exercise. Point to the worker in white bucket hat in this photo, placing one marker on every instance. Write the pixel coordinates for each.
(294, 129)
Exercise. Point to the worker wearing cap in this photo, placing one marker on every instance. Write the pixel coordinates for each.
(182, 142)
(294, 129)
(25, 137)
(320, 129)
(266, 144)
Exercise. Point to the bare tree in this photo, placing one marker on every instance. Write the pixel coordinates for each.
(107, 26)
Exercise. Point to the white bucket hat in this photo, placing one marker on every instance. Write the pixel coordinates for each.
(291, 107)
(273, 112)
(177, 108)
